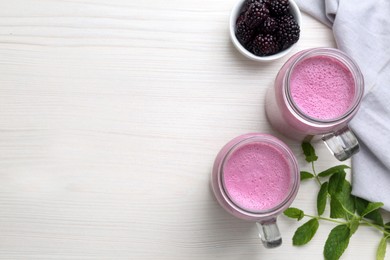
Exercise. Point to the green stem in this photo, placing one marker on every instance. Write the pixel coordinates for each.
(366, 223)
(315, 174)
(326, 219)
(363, 222)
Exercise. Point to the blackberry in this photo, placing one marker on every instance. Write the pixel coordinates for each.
(264, 45)
(279, 7)
(256, 14)
(285, 18)
(270, 25)
(248, 3)
(240, 19)
(288, 31)
(243, 32)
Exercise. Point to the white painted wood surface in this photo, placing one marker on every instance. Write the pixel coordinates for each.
(111, 113)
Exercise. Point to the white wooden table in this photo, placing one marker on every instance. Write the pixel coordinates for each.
(111, 114)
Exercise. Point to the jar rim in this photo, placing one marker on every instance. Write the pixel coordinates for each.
(294, 174)
(348, 62)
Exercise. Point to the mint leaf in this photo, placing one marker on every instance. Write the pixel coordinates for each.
(333, 170)
(387, 226)
(321, 198)
(375, 216)
(305, 232)
(361, 205)
(354, 224)
(337, 242)
(344, 197)
(371, 207)
(294, 213)
(309, 152)
(381, 251)
(336, 208)
(336, 183)
(306, 175)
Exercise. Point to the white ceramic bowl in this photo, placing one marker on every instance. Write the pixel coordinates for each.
(294, 11)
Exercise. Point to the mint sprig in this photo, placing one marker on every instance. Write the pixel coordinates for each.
(381, 251)
(305, 232)
(347, 211)
(337, 242)
(309, 152)
(322, 198)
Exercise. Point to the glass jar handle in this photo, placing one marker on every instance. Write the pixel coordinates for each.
(269, 233)
(342, 143)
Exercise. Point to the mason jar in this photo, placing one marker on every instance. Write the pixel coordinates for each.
(316, 94)
(255, 178)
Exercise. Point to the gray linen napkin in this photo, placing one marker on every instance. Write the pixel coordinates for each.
(362, 29)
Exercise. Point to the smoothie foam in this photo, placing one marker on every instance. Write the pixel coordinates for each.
(322, 87)
(257, 177)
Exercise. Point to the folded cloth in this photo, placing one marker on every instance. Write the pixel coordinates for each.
(362, 29)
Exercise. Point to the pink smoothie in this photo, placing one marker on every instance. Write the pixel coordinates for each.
(322, 87)
(257, 177)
